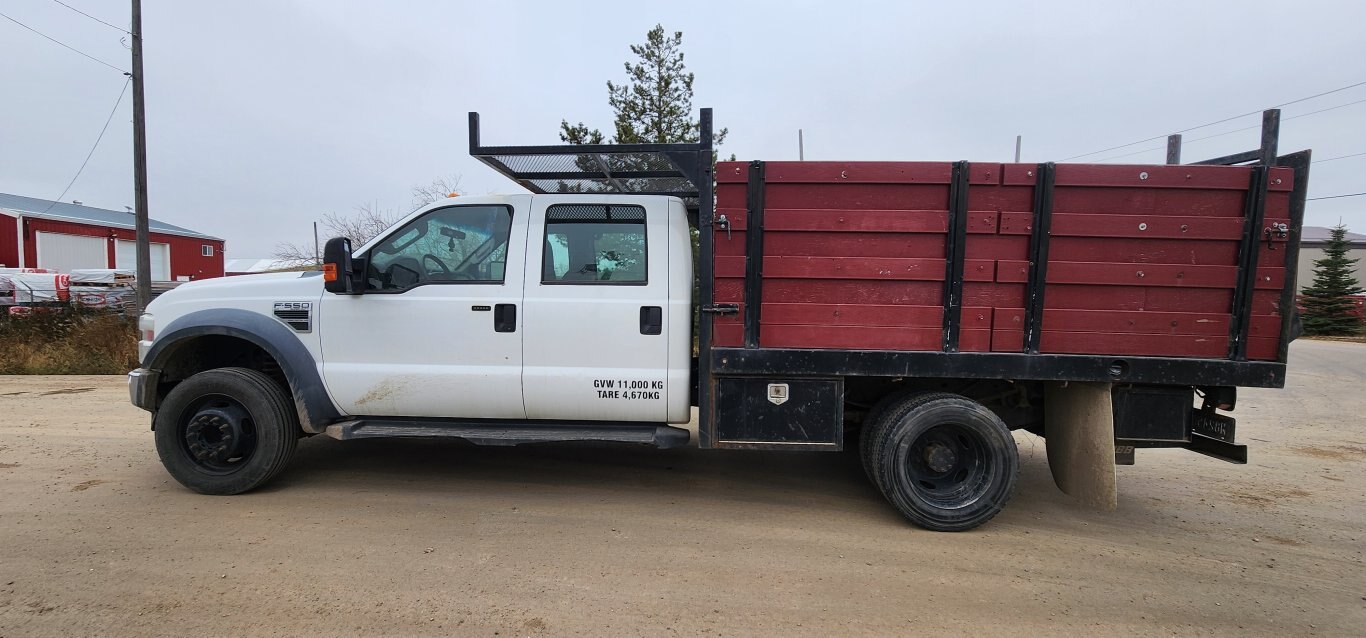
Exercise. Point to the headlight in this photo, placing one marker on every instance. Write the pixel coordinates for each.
(147, 327)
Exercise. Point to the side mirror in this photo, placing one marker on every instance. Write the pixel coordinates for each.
(338, 275)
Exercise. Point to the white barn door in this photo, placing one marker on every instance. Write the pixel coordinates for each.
(64, 253)
(126, 257)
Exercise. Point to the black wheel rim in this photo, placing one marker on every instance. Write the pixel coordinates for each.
(217, 434)
(948, 466)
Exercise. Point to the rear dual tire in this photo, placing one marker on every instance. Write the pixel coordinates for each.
(945, 462)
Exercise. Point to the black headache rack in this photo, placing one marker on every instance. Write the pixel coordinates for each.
(678, 170)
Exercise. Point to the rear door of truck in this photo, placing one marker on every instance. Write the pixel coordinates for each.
(596, 329)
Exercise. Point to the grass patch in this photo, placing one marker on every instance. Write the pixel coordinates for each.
(70, 341)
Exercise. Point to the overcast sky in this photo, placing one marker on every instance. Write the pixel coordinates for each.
(263, 116)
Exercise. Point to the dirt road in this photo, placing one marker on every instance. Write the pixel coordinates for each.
(409, 537)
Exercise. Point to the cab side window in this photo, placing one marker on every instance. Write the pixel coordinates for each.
(456, 244)
(594, 244)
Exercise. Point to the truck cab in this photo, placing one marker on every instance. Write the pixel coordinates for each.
(517, 307)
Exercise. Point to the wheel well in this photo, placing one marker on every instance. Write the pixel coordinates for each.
(207, 352)
(1019, 404)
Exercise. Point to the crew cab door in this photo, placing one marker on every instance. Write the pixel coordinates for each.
(598, 320)
(437, 332)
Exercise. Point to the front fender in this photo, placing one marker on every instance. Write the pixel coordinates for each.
(311, 401)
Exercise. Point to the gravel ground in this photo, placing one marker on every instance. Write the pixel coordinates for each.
(420, 538)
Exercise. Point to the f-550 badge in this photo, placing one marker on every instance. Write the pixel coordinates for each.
(296, 314)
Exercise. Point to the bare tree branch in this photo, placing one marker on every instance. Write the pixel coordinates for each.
(440, 188)
(364, 223)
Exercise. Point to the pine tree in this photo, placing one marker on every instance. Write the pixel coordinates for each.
(1328, 306)
(654, 106)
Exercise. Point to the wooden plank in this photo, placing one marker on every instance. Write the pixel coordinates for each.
(1083, 297)
(833, 315)
(982, 221)
(1001, 197)
(1016, 223)
(885, 221)
(1265, 326)
(851, 337)
(974, 340)
(1150, 201)
(836, 244)
(1007, 340)
(853, 315)
(729, 290)
(1161, 251)
(873, 268)
(1155, 177)
(1263, 348)
(850, 268)
(728, 335)
(998, 247)
(1181, 275)
(1203, 346)
(1146, 226)
(858, 172)
(858, 196)
(833, 291)
(731, 173)
(1113, 321)
(992, 295)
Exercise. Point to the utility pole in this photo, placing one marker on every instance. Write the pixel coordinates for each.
(1017, 148)
(801, 147)
(317, 256)
(144, 255)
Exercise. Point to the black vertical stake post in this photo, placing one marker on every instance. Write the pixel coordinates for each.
(1271, 134)
(1299, 162)
(706, 209)
(1038, 256)
(754, 253)
(1174, 148)
(1253, 217)
(955, 253)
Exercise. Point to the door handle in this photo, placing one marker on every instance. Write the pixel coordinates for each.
(505, 317)
(651, 320)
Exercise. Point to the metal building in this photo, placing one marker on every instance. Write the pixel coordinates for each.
(39, 233)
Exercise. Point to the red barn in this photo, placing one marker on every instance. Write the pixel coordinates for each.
(38, 233)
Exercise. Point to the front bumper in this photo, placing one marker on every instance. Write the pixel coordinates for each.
(142, 388)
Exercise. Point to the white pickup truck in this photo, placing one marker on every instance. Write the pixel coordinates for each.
(569, 314)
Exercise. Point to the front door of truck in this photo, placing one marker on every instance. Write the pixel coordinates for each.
(597, 290)
(438, 331)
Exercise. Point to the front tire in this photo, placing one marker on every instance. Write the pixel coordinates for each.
(946, 462)
(226, 431)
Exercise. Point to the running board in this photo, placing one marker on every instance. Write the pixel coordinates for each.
(504, 433)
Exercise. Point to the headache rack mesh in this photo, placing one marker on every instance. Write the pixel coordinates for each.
(678, 170)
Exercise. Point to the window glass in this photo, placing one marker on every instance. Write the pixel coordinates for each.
(588, 244)
(457, 244)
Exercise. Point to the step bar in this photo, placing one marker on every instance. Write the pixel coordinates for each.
(506, 433)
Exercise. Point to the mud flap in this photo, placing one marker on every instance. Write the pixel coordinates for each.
(1080, 437)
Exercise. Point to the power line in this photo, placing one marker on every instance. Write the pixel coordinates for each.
(1227, 119)
(92, 17)
(1338, 158)
(1237, 130)
(92, 148)
(59, 43)
(1336, 196)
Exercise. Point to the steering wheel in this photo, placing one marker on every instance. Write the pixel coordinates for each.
(445, 270)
